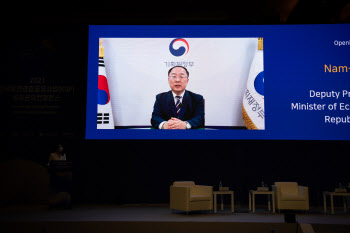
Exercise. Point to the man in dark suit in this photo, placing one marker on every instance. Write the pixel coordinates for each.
(178, 108)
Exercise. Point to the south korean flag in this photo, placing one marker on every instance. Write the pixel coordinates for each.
(104, 107)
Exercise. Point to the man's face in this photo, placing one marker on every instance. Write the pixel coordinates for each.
(178, 80)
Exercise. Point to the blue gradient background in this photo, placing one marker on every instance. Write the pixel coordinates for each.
(294, 59)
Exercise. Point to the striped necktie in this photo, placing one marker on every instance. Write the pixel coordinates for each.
(178, 104)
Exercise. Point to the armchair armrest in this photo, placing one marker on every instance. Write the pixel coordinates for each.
(202, 189)
(179, 197)
(303, 191)
(277, 191)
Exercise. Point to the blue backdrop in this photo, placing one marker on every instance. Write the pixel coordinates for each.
(294, 64)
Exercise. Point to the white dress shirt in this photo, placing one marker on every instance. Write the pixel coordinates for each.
(188, 126)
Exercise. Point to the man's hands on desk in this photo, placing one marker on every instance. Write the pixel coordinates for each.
(174, 123)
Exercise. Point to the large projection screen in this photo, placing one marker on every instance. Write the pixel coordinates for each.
(256, 82)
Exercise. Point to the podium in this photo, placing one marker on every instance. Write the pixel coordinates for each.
(60, 176)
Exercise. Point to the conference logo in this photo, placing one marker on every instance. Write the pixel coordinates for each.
(259, 83)
(181, 50)
(103, 91)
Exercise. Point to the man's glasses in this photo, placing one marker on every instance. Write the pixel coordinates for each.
(182, 76)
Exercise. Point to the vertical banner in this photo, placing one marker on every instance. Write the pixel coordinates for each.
(104, 106)
(253, 110)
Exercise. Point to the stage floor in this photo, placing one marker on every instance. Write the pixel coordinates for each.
(160, 213)
(159, 219)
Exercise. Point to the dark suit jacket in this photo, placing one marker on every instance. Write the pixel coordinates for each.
(192, 109)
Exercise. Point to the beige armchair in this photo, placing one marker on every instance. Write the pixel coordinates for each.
(186, 196)
(291, 196)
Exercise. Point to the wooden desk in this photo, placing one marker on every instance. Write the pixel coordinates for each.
(215, 193)
(252, 193)
(331, 195)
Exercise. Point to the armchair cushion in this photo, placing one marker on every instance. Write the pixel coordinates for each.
(293, 198)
